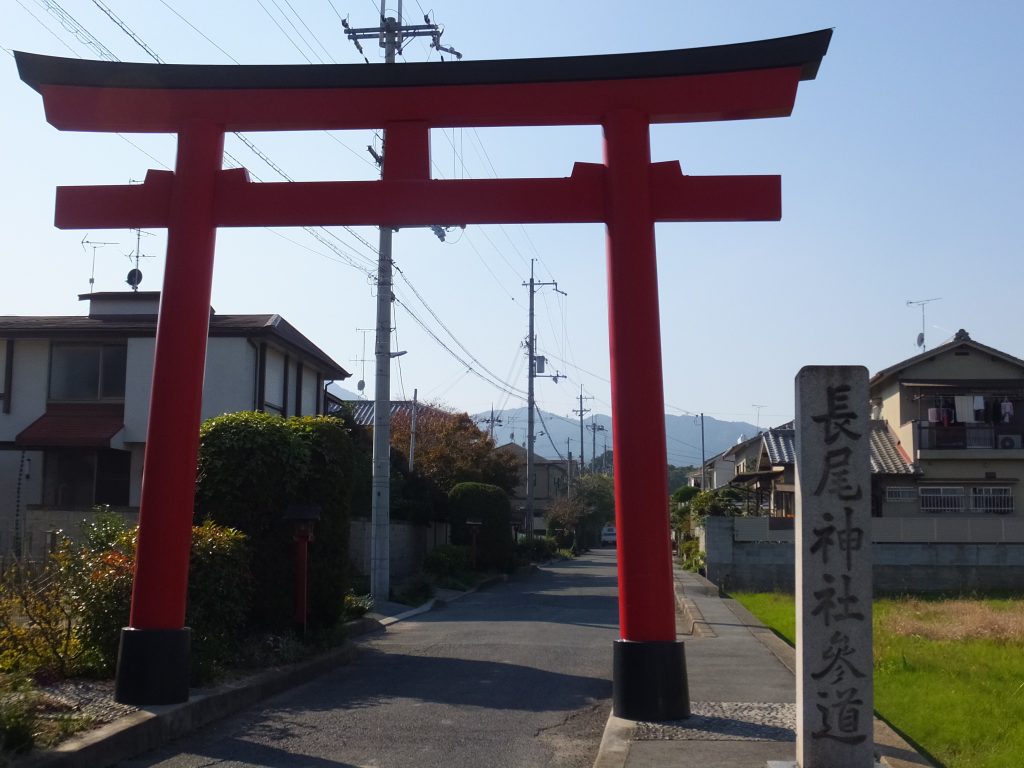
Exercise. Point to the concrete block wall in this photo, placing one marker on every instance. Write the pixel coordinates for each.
(898, 567)
(409, 545)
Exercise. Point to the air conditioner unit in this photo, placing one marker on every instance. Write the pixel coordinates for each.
(1010, 441)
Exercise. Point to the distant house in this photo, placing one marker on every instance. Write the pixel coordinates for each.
(74, 402)
(767, 469)
(947, 463)
(718, 470)
(958, 410)
(550, 480)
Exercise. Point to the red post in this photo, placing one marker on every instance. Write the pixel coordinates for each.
(157, 641)
(649, 669)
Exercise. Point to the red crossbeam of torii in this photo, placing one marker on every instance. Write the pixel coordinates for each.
(623, 93)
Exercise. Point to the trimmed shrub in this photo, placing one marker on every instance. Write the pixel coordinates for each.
(252, 467)
(447, 561)
(219, 592)
(489, 506)
(220, 588)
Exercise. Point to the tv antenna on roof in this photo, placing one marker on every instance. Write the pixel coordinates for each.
(135, 274)
(920, 303)
(94, 244)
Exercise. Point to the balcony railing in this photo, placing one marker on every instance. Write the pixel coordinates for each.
(958, 437)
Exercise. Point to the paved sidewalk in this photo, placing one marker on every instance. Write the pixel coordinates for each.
(742, 697)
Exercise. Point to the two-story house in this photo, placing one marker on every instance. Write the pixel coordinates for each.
(550, 480)
(958, 411)
(74, 402)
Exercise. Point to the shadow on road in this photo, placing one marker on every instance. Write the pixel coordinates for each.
(461, 683)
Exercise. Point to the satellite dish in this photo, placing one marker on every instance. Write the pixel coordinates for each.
(134, 278)
(920, 339)
(361, 385)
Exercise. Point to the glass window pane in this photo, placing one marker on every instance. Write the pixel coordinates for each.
(114, 365)
(74, 373)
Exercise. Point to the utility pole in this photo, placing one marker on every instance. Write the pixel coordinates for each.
(594, 428)
(412, 429)
(568, 468)
(581, 411)
(491, 422)
(391, 34)
(535, 369)
(703, 473)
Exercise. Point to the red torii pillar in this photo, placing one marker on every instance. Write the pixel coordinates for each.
(623, 93)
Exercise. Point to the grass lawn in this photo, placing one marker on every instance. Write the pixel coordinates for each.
(949, 673)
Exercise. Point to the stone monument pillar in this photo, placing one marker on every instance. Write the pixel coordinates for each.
(835, 694)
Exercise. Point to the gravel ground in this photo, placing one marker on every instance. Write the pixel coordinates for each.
(726, 721)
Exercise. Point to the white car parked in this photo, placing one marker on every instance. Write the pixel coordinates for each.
(608, 536)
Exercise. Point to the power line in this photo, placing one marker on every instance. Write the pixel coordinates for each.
(199, 31)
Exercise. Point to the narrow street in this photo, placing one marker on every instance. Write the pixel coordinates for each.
(515, 675)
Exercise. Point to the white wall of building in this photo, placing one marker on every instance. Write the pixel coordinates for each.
(230, 383)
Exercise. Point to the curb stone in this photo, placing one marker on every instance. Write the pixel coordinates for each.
(154, 726)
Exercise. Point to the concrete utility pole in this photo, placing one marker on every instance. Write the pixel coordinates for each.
(581, 411)
(533, 363)
(594, 428)
(703, 471)
(391, 34)
(412, 430)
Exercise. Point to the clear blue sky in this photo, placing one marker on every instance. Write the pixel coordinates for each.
(901, 167)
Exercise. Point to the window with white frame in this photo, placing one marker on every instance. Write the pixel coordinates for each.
(992, 499)
(88, 371)
(942, 499)
(901, 494)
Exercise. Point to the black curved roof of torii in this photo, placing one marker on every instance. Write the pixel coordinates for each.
(804, 51)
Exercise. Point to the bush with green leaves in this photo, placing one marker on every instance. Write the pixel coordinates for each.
(488, 507)
(18, 714)
(219, 591)
(539, 549)
(450, 566)
(252, 468)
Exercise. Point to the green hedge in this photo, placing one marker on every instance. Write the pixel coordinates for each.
(252, 468)
(488, 505)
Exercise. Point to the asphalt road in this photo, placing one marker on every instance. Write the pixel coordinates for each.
(515, 675)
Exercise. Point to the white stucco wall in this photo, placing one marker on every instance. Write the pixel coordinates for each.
(138, 380)
(230, 383)
(309, 392)
(31, 373)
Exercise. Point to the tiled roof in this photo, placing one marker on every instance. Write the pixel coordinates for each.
(886, 458)
(780, 444)
(362, 410)
(78, 425)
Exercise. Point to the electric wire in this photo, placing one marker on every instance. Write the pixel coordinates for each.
(47, 28)
(547, 432)
(284, 32)
(125, 28)
(502, 386)
(443, 325)
(71, 24)
(199, 31)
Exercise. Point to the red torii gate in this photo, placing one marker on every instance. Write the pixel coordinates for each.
(623, 93)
